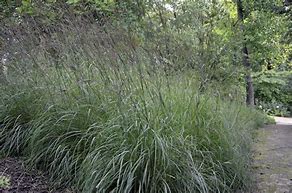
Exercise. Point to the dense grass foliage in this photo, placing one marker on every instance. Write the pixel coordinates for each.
(101, 115)
(138, 137)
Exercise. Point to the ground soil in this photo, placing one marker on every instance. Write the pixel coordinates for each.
(21, 180)
(273, 158)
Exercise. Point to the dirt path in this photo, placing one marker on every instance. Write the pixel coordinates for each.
(273, 158)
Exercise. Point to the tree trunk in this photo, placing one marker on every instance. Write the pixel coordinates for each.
(245, 59)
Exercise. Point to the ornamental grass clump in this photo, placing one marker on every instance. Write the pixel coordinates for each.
(104, 116)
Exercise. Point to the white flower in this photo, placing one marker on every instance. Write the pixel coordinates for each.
(277, 106)
(260, 106)
(4, 60)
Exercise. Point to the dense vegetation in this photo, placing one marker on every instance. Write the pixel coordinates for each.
(141, 96)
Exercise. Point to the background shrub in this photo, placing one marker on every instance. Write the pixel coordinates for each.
(274, 92)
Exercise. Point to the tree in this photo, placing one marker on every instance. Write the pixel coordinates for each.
(245, 58)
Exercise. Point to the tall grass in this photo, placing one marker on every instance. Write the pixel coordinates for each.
(105, 116)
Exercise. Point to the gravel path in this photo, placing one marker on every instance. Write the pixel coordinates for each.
(273, 158)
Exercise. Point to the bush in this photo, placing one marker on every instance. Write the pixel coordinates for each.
(273, 92)
(273, 108)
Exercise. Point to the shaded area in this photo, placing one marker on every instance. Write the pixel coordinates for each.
(273, 158)
(21, 180)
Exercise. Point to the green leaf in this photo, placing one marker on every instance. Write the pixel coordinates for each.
(70, 2)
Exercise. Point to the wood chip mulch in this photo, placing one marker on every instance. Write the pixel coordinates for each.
(21, 180)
